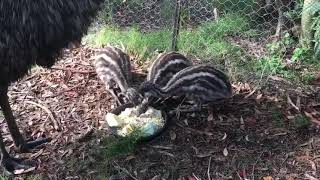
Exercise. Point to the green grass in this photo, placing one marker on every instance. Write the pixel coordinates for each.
(301, 121)
(4, 177)
(141, 44)
(207, 41)
(117, 146)
(277, 118)
(101, 157)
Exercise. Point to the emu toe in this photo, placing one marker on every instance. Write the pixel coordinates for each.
(25, 147)
(17, 166)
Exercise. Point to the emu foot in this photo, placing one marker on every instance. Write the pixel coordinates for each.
(26, 146)
(17, 166)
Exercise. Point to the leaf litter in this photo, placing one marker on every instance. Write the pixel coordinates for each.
(68, 103)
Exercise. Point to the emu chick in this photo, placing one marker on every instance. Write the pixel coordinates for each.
(114, 69)
(161, 71)
(203, 84)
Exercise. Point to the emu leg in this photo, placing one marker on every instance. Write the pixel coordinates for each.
(10, 163)
(18, 140)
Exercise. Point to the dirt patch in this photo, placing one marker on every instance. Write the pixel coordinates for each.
(253, 136)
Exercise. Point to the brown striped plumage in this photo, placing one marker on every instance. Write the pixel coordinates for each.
(203, 84)
(163, 68)
(114, 69)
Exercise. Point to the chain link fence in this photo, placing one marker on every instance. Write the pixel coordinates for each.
(264, 19)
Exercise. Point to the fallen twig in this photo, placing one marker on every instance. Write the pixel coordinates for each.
(195, 176)
(251, 93)
(73, 70)
(86, 136)
(196, 131)
(209, 165)
(61, 92)
(54, 121)
(124, 170)
(292, 104)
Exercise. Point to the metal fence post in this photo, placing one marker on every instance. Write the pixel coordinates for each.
(176, 26)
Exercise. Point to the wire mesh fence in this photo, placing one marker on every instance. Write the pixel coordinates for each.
(263, 18)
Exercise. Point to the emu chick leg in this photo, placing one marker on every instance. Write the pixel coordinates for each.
(8, 162)
(18, 140)
(143, 107)
(110, 86)
(197, 105)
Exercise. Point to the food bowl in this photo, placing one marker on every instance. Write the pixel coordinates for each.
(143, 138)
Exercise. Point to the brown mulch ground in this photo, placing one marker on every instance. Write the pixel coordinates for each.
(252, 137)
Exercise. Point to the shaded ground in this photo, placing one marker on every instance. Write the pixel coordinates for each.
(258, 134)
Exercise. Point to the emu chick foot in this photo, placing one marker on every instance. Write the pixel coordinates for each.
(26, 146)
(17, 166)
(191, 109)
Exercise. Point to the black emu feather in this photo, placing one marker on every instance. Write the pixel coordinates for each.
(33, 32)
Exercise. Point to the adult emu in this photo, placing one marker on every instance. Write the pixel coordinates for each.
(34, 33)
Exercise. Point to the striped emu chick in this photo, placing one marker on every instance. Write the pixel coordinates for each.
(202, 84)
(161, 71)
(114, 69)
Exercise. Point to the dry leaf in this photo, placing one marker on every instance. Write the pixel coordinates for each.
(202, 155)
(166, 153)
(241, 123)
(259, 97)
(291, 176)
(313, 119)
(224, 137)
(157, 177)
(210, 117)
(267, 178)
(313, 165)
(251, 121)
(173, 135)
(225, 152)
(22, 171)
(130, 158)
(310, 177)
(162, 147)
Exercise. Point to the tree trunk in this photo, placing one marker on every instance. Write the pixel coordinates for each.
(306, 24)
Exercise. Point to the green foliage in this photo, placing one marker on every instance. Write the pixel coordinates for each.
(308, 77)
(316, 28)
(116, 146)
(141, 44)
(295, 14)
(315, 11)
(242, 7)
(301, 121)
(206, 41)
(300, 54)
(277, 118)
(272, 62)
(4, 177)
